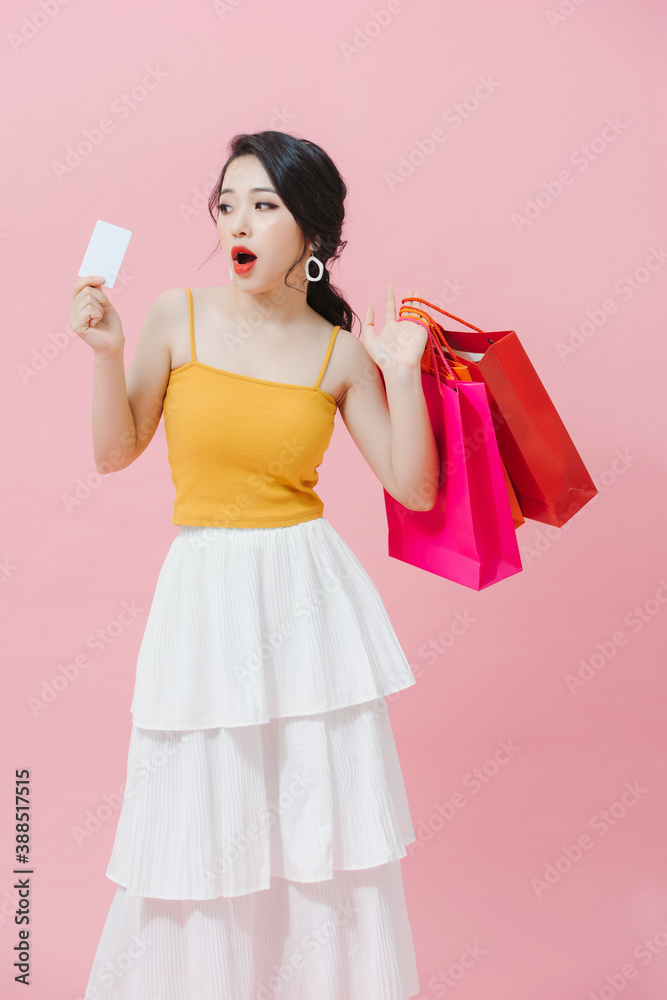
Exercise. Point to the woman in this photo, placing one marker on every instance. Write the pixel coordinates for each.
(258, 848)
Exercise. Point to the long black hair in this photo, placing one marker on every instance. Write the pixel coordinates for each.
(309, 183)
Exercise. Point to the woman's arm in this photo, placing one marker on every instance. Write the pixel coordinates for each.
(125, 413)
(112, 421)
(391, 425)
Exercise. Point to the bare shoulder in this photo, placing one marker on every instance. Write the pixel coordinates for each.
(171, 304)
(351, 346)
(167, 324)
(355, 361)
(165, 313)
(156, 337)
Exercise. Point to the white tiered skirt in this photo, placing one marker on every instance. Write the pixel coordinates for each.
(257, 853)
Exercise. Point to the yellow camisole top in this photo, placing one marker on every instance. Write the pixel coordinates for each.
(244, 451)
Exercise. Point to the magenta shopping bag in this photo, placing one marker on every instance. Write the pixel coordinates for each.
(469, 536)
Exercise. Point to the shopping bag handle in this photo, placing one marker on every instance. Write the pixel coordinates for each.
(413, 298)
(437, 329)
(432, 343)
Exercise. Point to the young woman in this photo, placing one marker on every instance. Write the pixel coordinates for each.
(258, 848)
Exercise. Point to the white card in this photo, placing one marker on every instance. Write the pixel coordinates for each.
(105, 252)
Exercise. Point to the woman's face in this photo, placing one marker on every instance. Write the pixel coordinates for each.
(260, 221)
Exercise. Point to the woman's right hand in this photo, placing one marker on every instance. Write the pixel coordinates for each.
(93, 317)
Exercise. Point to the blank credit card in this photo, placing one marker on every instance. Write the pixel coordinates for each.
(105, 252)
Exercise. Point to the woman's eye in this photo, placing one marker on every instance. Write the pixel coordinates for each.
(223, 205)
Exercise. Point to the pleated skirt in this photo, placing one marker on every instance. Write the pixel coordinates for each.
(258, 848)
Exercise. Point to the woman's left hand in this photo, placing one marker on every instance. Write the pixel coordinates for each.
(399, 343)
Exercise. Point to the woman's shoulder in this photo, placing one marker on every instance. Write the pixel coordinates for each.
(171, 303)
(352, 347)
(178, 297)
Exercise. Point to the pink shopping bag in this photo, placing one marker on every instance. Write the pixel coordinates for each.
(468, 536)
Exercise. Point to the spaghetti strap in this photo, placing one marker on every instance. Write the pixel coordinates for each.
(327, 355)
(192, 325)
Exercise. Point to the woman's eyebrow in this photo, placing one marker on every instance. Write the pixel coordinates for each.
(231, 190)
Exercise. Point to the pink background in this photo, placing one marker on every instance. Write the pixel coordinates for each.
(370, 93)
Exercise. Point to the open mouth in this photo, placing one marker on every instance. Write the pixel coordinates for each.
(243, 260)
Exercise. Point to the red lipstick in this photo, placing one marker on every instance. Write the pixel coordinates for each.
(244, 258)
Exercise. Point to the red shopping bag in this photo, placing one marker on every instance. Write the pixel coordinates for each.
(468, 536)
(546, 470)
